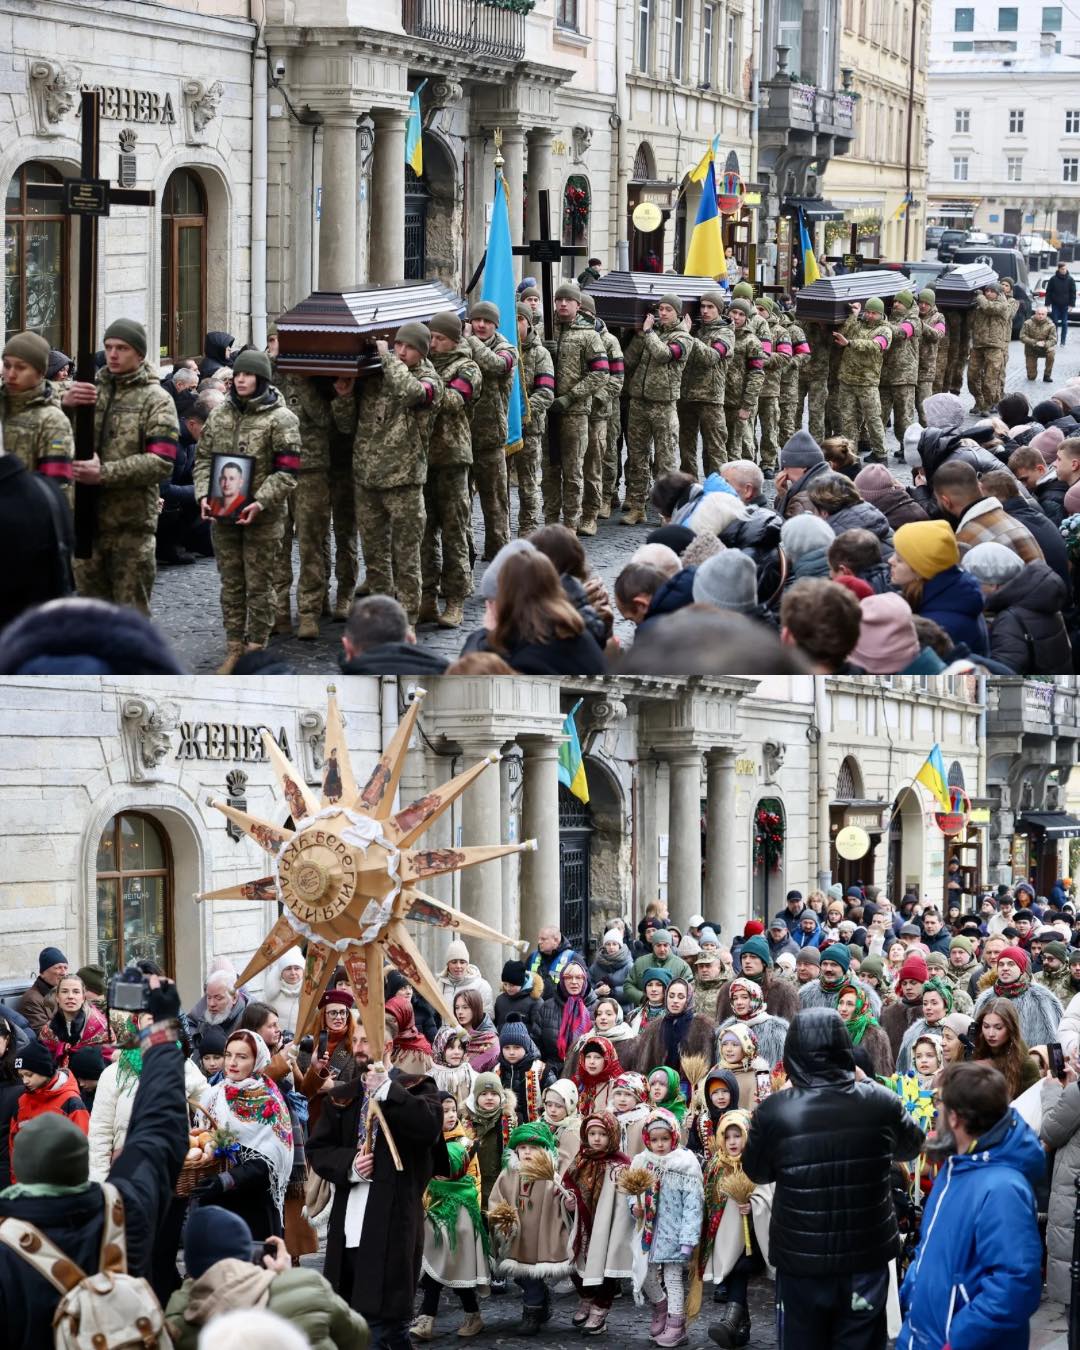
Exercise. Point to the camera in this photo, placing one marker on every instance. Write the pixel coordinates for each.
(261, 1249)
(306, 1043)
(279, 69)
(129, 991)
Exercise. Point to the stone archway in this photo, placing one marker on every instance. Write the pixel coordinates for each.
(444, 216)
(766, 865)
(610, 873)
(905, 845)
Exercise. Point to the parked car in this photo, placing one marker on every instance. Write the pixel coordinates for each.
(949, 242)
(977, 237)
(1006, 262)
(1005, 240)
(933, 235)
(920, 274)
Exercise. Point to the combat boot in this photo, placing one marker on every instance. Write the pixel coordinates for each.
(341, 609)
(308, 629)
(283, 621)
(233, 653)
(429, 610)
(634, 516)
(605, 511)
(733, 1329)
(587, 526)
(453, 616)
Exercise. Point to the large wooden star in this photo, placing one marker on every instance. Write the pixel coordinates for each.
(347, 874)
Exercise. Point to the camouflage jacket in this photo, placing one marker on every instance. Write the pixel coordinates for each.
(312, 409)
(391, 423)
(706, 366)
(37, 433)
(135, 434)
(496, 359)
(581, 365)
(655, 361)
(451, 426)
(901, 363)
(608, 396)
(745, 372)
(820, 336)
(262, 428)
(860, 361)
(762, 330)
(800, 356)
(1033, 332)
(931, 334)
(991, 322)
(538, 373)
(777, 360)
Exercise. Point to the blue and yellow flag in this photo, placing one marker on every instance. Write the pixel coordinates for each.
(811, 271)
(705, 256)
(414, 138)
(571, 763)
(500, 288)
(932, 776)
(901, 210)
(702, 166)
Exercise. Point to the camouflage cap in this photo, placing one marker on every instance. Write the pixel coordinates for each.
(448, 324)
(874, 306)
(484, 309)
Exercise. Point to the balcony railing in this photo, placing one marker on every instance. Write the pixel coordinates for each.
(802, 107)
(472, 27)
(1033, 708)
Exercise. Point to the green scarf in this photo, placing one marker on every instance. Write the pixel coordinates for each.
(862, 1016)
(128, 1069)
(674, 1101)
(447, 1195)
(41, 1190)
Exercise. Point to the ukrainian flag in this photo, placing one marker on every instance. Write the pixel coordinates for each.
(414, 139)
(571, 763)
(500, 287)
(705, 257)
(932, 776)
(811, 271)
(702, 166)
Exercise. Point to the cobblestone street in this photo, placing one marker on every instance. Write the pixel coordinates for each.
(185, 601)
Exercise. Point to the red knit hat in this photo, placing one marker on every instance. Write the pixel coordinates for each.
(914, 968)
(753, 928)
(1016, 954)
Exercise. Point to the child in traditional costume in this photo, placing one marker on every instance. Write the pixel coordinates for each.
(604, 1235)
(597, 1068)
(665, 1090)
(738, 1052)
(718, 1094)
(630, 1106)
(489, 1116)
(450, 1067)
(521, 1070)
(562, 1119)
(748, 1010)
(669, 1217)
(456, 1245)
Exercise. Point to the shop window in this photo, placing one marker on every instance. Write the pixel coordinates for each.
(35, 257)
(134, 893)
(183, 266)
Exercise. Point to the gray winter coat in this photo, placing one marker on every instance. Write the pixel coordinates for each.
(1039, 1010)
(863, 516)
(1061, 1131)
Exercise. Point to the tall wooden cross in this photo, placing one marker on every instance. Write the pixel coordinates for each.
(88, 198)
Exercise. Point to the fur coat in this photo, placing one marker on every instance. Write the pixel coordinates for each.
(649, 1051)
(1039, 1010)
(781, 997)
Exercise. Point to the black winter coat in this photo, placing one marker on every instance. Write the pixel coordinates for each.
(578, 655)
(551, 1011)
(1027, 631)
(1050, 494)
(1061, 290)
(522, 1003)
(9, 1106)
(828, 1143)
(396, 658)
(1042, 525)
(32, 569)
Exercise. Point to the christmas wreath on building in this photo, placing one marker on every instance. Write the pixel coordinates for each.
(768, 838)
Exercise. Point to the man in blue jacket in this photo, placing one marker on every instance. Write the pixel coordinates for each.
(977, 1274)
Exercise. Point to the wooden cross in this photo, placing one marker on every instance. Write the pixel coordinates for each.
(87, 197)
(853, 260)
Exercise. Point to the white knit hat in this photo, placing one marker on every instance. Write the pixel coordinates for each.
(457, 951)
(613, 935)
(688, 947)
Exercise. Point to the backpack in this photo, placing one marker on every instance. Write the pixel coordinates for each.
(111, 1310)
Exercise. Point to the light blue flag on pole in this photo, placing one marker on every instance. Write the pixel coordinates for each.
(500, 288)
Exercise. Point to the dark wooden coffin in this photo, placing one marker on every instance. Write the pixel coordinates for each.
(334, 333)
(958, 287)
(826, 300)
(624, 298)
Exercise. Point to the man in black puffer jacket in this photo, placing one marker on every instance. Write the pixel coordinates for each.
(828, 1143)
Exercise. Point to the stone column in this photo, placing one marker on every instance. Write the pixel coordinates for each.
(721, 900)
(481, 887)
(387, 240)
(337, 224)
(540, 821)
(684, 835)
(513, 149)
(540, 140)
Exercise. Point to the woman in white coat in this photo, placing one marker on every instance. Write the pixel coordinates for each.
(282, 986)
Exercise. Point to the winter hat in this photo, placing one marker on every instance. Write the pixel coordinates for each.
(927, 296)
(93, 978)
(958, 1023)
(743, 291)
(801, 452)
(860, 589)
(874, 306)
(35, 1058)
(77, 636)
(1016, 954)
(1072, 500)
(742, 306)
(513, 972)
(50, 956)
(211, 1041)
(964, 944)
(524, 312)
(413, 334)
(214, 1234)
(767, 303)
(993, 564)
(530, 293)
(57, 361)
(786, 962)
(87, 1063)
(448, 324)
(887, 641)
(1047, 442)
(944, 411)
(753, 928)
(688, 947)
(252, 362)
(674, 537)
(51, 1150)
(484, 309)
(1046, 411)
(810, 955)
(804, 534)
(342, 996)
(656, 973)
(835, 891)
(31, 348)
(129, 331)
(393, 983)
(914, 968)
(874, 482)
(515, 1032)
(927, 546)
(612, 935)
(670, 298)
(569, 290)
(838, 952)
(903, 298)
(759, 947)
(715, 297)
(489, 582)
(1054, 948)
(457, 951)
(873, 965)
(708, 937)
(728, 580)
(526, 284)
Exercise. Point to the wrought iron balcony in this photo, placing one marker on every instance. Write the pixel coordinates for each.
(472, 27)
(1038, 708)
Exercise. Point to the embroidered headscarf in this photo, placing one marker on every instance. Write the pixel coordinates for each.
(635, 1083)
(746, 1039)
(862, 1017)
(533, 1132)
(757, 1011)
(409, 1038)
(576, 1019)
(674, 1103)
(566, 1091)
(584, 1178)
(590, 1084)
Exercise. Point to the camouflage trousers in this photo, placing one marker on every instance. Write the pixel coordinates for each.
(564, 469)
(899, 400)
(769, 413)
(247, 559)
(817, 398)
(391, 523)
(860, 405)
(707, 419)
(121, 569)
(489, 473)
(652, 432)
(593, 468)
(444, 552)
(1032, 356)
(790, 409)
(527, 464)
(986, 376)
(741, 440)
(950, 372)
(609, 490)
(319, 500)
(923, 390)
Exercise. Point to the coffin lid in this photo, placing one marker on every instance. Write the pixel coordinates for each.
(828, 297)
(958, 287)
(624, 297)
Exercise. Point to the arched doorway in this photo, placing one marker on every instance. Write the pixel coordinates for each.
(768, 841)
(577, 204)
(575, 848)
(183, 266)
(36, 278)
(905, 846)
(417, 197)
(433, 216)
(642, 245)
(134, 893)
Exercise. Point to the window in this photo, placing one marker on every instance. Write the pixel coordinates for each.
(963, 20)
(36, 254)
(1007, 20)
(962, 120)
(963, 46)
(1070, 169)
(1072, 121)
(731, 56)
(134, 893)
(960, 168)
(1014, 168)
(183, 266)
(678, 37)
(1016, 121)
(566, 15)
(789, 33)
(644, 35)
(708, 27)
(1051, 19)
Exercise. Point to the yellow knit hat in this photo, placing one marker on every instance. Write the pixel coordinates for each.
(927, 546)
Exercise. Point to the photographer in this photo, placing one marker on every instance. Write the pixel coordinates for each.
(55, 1194)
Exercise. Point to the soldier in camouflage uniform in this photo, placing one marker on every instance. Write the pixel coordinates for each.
(951, 361)
(814, 378)
(135, 435)
(391, 423)
(444, 553)
(654, 361)
(991, 332)
(253, 422)
(762, 330)
(593, 500)
(932, 336)
(769, 398)
(538, 374)
(1039, 336)
(900, 368)
(791, 379)
(701, 396)
(496, 357)
(743, 384)
(35, 430)
(865, 338)
(581, 371)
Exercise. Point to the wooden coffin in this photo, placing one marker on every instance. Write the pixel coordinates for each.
(624, 298)
(826, 300)
(334, 333)
(958, 287)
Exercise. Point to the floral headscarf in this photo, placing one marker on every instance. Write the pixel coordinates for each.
(584, 1178)
(862, 1017)
(746, 1039)
(757, 999)
(590, 1084)
(635, 1083)
(444, 1037)
(674, 1102)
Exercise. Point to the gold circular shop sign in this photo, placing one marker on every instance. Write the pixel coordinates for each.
(647, 216)
(852, 842)
(317, 874)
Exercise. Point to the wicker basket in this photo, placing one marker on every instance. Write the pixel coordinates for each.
(192, 1173)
